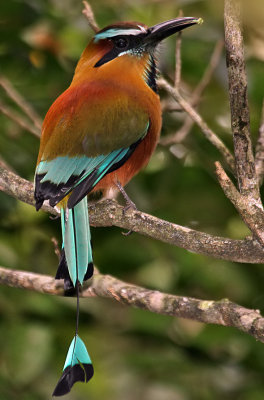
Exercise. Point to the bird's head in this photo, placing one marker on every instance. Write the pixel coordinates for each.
(136, 39)
(130, 41)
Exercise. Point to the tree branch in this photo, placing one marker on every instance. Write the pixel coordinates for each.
(222, 312)
(259, 158)
(110, 213)
(247, 200)
(245, 164)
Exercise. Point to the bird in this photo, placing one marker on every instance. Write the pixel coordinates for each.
(96, 136)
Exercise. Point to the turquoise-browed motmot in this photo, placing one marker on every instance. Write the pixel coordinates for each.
(101, 131)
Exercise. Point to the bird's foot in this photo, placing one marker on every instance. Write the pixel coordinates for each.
(129, 204)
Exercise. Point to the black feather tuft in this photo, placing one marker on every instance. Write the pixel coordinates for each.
(89, 272)
(77, 373)
(38, 195)
(83, 189)
(63, 273)
(51, 191)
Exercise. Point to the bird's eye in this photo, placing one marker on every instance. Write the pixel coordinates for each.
(121, 42)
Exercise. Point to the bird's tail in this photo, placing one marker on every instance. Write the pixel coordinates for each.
(76, 265)
(76, 262)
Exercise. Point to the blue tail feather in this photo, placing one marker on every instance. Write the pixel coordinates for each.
(78, 367)
(76, 244)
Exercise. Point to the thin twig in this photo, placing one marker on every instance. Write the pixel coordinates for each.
(177, 79)
(181, 134)
(168, 106)
(178, 136)
(205, 80)
(222, 312)
(8, 112)
(110, 213)
(178, 61)
(259, 158)
(21, 102)
(208, 73)
(88, 12)
(209, 134)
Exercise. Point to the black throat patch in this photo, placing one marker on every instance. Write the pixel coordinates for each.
(151, 74)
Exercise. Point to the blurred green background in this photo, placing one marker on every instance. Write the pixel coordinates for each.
(136, 354)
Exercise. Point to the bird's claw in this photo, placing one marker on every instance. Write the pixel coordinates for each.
(128, 233)
(53, 217)
(130, 205)
(133, 207)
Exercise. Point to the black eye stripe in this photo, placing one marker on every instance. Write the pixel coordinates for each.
(121, 42)
(133, 42)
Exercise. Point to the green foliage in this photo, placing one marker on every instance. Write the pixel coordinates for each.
(137, 355)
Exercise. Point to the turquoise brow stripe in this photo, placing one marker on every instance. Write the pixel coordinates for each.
(115, 32)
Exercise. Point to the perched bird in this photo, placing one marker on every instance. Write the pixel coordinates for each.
(98, 134)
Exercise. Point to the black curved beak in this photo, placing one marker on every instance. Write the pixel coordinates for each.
(161, 31)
